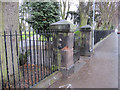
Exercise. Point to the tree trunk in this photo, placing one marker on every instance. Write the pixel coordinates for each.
(84, 19)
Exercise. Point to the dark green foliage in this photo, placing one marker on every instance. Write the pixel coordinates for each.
(42, 14)
(23, 57)
(112, 27)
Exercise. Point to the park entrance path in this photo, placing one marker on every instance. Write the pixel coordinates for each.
(99, 72)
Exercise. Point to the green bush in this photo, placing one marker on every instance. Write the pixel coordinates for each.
(42, 14)
(23, 57)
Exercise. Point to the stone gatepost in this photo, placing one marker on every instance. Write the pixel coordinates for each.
(86, 41)
(9, 20)
(64, 41)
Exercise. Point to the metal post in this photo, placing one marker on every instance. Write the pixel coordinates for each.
(93, 24)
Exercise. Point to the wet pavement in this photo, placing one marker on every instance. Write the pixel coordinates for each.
(99, 72)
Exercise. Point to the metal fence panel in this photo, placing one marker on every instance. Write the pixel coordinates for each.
(100, 34)
(29, 58)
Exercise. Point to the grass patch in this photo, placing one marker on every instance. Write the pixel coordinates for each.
(54, 68)
(27, 34)
(43, 38)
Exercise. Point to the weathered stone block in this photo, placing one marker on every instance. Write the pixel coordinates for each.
(9, 20)
(70, 40)
(66, 57)
(67, 71)
(60, 27)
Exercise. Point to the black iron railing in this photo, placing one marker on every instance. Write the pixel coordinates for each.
(100, 34)
(26, 58)
(76, 48)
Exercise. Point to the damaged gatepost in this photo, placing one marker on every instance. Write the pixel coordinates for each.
(65, 41)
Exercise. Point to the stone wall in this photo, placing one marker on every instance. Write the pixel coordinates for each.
(9, 20)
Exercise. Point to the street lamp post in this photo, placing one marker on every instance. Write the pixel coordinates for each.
(93, 24)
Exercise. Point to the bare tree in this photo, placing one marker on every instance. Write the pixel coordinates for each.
(85, 8)
(65, 7)
(108, 15)
(81, 16)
